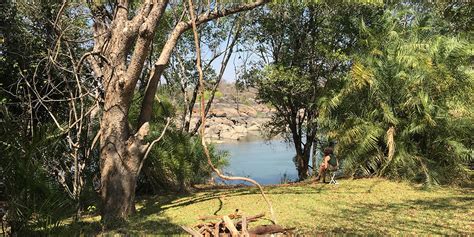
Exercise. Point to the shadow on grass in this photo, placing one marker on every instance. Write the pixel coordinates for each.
(157, 204)
(360, 218)
(413, 216)
(137, 225)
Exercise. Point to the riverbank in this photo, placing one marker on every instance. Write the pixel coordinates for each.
(362, 207)
(231, 122)
(233, 115)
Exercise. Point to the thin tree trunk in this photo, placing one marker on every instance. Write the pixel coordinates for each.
(314, 155)
(302, 165)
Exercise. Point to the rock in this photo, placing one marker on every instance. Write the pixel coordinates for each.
(229, 111)
(240, 129)
(254, 127)
(213, 132)
(229, 134)
(218, 114)
(247, 111)
(225, 121)
(238, 121)
(222, 121)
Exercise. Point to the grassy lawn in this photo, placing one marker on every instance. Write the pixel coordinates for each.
(365, 206)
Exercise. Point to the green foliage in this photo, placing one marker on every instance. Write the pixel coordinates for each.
(177, 161)
(34, 198)
(36, 60)
(308, 64)
(407, 108)
(207, 95)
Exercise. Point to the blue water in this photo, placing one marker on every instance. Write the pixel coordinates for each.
(265, 162)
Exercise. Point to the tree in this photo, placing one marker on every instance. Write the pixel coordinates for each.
(406, 108)
(44, 93)
(181, 74)
(291, 92)
(122, 39)
(307, 65)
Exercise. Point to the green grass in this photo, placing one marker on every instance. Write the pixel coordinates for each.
(365, 206)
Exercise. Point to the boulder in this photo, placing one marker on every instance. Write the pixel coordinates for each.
(238, 120)
(222, 121)
(240, 129)
(229, 134)
(254, 127)
(247, 111)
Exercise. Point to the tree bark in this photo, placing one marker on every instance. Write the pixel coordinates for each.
(121, 155)
(302, 160)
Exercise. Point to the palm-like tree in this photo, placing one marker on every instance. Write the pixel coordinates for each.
(406, 109)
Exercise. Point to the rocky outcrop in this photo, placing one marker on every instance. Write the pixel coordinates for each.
(232, 122)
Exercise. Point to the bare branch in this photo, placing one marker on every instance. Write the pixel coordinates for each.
(168, 120)
(59, 13)
(203, 118)
(181, 27)
(147, 28)
(225, 61)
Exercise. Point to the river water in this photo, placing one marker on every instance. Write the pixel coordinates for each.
(265, 162)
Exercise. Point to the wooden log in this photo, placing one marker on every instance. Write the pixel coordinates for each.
(252, 218)
(231, 216)
(192, 231)
(244, 231)
(230, 226)
(211, 223)
(205, 229)
(268, 229)
(217, 227)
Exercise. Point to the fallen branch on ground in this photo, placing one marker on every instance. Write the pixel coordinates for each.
(234, 224)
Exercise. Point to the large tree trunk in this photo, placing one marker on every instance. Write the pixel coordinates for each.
(120, 49)
(121, 152)
(120, 161)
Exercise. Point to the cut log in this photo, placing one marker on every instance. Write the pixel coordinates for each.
(219, 217)
(235, 225)
(268, 229)
(205, 229)
(252, 218)
(192, 231)
(230, 226)
(217, 227)
(244, 231)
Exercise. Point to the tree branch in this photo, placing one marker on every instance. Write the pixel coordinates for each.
(230, 45)
(160, 64)
(203, 118)
(153, 143)
(147, 27)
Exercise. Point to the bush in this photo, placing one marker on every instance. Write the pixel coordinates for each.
(34, 199)
(177, 161)
(406, 111)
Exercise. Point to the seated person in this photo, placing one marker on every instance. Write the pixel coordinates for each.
(329, 163)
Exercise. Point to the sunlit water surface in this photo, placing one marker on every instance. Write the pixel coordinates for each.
(266, 162)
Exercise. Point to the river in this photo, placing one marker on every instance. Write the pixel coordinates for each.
(266, 162)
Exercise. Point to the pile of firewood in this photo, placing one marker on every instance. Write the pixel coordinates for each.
(234, 225)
